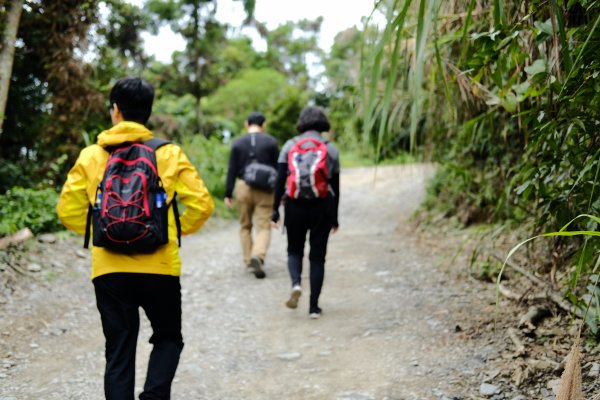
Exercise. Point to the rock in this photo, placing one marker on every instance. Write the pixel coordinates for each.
(382, 273)
(487, 389)
(414, 363)
(354, 396)
(594, 370)
(34, 267)
(47, 238)
(490, 375)
(19, 237)
(81, 254)
(553, 385)
(292, 356)
(519, 397)
(545, 394)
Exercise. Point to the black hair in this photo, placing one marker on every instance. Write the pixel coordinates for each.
(256, 118)
(312, 119)
(134, 97)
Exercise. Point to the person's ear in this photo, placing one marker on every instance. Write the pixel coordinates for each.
(115, 114)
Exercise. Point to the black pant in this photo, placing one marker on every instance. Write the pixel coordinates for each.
(118, 297)
(314, 217)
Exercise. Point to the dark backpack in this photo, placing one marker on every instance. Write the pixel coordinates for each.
(131, 214)
(257, 175)
(308, 174)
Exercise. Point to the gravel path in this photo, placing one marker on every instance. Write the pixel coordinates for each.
(387, 331)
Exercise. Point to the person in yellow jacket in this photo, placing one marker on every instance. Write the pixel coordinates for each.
(125, 282)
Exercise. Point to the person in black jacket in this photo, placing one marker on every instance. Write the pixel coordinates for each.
(318, 215)
(253, 157)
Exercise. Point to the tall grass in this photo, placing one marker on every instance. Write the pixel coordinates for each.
(504, 96)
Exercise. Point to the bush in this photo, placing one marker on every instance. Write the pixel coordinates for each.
(210, 157)
(28, 208)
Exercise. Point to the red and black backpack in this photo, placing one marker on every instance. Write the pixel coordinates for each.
(131, 210)
(308, 173)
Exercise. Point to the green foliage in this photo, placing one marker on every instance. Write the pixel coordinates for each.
(251, 90)
(587, 301)
(122, 31)
(209, 156)
(283, 114)
(28, 208)
(290, 44)
(354, 159)
(510, 111)
(173, 116)
(592, 298)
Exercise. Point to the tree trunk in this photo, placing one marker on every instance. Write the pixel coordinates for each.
(197, 67)
(7, 52)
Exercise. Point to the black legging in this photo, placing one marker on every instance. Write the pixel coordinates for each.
(316, 218)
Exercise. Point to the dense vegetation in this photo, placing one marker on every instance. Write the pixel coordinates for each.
(503, 95)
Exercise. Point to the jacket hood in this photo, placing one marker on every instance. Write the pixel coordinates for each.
(125, 131)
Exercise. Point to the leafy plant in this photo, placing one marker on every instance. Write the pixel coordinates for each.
(588, 302)
(209, 156)
(509, 110)
(28, 208)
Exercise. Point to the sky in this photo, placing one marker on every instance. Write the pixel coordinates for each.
(338, 15)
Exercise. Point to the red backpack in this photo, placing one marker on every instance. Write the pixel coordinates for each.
(131, 210)
(308, 172)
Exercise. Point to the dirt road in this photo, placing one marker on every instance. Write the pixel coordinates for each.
(387, 331)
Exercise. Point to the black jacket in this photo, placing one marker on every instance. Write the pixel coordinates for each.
(266, 151)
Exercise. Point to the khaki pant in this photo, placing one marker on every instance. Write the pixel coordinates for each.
(255, 208)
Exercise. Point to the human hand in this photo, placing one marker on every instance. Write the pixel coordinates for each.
(275, 219)
(228, 202)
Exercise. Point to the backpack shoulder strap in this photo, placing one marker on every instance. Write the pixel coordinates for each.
(252, 150)
(88, 224)
(155, 143)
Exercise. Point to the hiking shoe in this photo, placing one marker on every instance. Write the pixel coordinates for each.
(293, 301)
(256, 265)
(315, 313)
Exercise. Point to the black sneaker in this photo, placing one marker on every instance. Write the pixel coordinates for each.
(256, 265)
(315, 313)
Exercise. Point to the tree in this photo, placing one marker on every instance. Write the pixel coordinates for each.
(205, 37)
(251, 90)
(7, 52)
(52, 100)
(290, 47)
(118, 39)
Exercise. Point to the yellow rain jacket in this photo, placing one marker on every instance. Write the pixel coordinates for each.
(177, 175)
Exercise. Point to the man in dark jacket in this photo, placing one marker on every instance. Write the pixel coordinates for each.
(253, 157)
